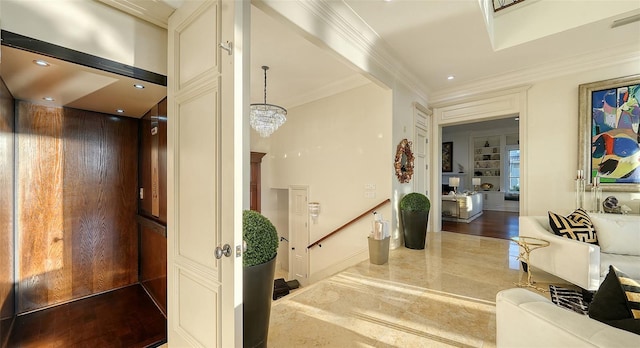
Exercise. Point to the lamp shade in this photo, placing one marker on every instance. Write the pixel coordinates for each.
(476, 181)
(454, 181)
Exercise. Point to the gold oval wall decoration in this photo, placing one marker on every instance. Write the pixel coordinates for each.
(404, 161)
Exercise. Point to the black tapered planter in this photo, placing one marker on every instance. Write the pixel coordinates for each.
(414, 228)
(257, 296)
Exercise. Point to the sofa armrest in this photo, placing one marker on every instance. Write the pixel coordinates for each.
(526, 319)
(571, 260)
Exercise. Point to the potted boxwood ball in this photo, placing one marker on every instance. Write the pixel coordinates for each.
(414, 210)
(259, 264)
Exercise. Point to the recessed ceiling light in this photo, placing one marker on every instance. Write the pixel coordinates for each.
(450, 77)
(119, 111)
(138, 86)
(48, 98)
(41, 62)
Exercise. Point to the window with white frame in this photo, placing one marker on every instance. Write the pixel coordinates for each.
(512, 165)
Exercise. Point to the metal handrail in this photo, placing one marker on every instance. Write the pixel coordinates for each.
(348, 223)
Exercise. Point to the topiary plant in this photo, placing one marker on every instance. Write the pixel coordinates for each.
(415, 202)
(261, 238)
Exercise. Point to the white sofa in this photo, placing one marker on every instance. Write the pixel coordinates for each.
(527, 319)
(583, 264)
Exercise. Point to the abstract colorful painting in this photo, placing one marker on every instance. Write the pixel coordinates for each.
(614, 135)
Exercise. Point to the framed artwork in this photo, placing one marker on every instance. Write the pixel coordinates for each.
(447, 157)
(609, 138)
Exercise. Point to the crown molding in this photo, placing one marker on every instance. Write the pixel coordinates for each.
(355, 30)
(365, 50)
(156, 12)
(597, 60)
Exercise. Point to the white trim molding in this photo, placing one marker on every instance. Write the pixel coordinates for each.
(335, 25)
(541, 72)
(479, 107)
(485, 106)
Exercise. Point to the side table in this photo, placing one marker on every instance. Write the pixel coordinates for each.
(527, 245)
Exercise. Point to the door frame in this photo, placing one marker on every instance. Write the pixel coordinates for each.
(471, 109)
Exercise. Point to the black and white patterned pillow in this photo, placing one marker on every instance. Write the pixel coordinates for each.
(576, 226)
(569, 299)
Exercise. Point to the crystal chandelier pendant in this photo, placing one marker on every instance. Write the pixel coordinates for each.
(266, 118)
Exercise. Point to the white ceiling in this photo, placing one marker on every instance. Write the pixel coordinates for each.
(431, 39)
(437, 38)
(75, 86)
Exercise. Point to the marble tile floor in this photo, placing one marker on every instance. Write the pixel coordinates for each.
(443, 296)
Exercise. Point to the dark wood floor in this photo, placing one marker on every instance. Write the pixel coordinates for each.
(495, 224)
(122, 318)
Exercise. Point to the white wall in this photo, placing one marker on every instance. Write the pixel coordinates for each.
(403, 127)
(335, 146)
(90, 27)
(552, 140)
(333, 25)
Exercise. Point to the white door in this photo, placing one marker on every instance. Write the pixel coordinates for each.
(298, 233)
(420, 161)
(421, 151)
(422, 123)
(206, 162)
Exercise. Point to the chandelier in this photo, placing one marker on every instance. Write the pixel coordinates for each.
(266, 118)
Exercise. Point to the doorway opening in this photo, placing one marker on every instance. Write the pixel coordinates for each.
(485, 162)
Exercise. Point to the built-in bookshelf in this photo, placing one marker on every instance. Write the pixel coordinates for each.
(487, 160)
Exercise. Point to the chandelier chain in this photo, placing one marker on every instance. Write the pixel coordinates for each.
(265, 83)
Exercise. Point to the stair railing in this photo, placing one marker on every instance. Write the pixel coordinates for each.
(349, 223)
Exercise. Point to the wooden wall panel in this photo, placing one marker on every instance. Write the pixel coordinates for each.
(76, 204)
(162, 158)
(153, 244)
(99, 201)
(153, 264)
(144, 164)
(153, 145)
(255, 178)
(43, 245)
(7, 278)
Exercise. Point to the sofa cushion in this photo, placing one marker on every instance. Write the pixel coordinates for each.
(617, 234)
(576, 225)
(528, 319)
(629, 263)
(617, 301)
(629, 324)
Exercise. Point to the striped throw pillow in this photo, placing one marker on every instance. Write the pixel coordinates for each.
(631, 289)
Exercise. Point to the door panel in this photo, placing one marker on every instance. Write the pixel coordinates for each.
(198, 299)
(299, 232)
(196, 56)
(420, 161)
(197, 165)
(421, 152)
(205, 170)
